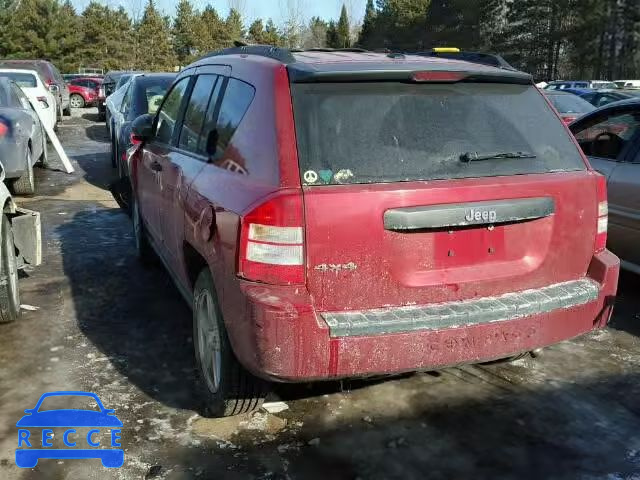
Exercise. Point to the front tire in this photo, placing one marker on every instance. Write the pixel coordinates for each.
(227, 387)
(9, 291)
(75, 101)
(26, 184)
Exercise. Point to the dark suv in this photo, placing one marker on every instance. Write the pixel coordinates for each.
(52, 78)
(334, 214)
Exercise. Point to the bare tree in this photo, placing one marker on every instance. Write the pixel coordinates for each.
(293, 14)
(239, 5)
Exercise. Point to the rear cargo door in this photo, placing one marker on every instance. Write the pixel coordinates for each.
(424, 193)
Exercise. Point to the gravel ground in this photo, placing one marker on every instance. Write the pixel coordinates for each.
(105, 324)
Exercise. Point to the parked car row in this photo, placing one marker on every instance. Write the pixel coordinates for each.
(24, 106)
(51, 77)
(325, 220)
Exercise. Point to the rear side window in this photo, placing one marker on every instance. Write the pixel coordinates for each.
(149, 95)
(196, 111)
(237, 98)
(392, 132)
(166, 119)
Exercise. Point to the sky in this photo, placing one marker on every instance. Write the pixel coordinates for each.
(251, 9)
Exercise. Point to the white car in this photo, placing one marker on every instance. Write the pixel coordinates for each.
(38, 94)
(627, 83)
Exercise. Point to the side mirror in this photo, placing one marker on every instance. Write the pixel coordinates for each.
(142, 127)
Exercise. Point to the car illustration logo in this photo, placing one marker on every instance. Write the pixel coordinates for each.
(74, 429)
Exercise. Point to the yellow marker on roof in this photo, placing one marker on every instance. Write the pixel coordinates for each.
(446, 50)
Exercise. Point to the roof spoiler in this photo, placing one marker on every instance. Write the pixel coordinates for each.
(414, 73)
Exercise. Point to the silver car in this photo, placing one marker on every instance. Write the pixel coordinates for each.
(610, 137)
(22, 138)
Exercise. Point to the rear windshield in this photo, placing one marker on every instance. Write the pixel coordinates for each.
(22, 79)
(570, 104)
(150, 93)
(394, 132)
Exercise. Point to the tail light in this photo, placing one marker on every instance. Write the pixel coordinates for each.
(43, 101)
(603, 214)
(568, 119)
(100, 92)
(272, 241)
(438, 76)
(4, 128)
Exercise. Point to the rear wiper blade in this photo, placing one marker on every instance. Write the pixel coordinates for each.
(477, 157)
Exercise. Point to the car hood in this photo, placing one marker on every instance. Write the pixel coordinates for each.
(69, 418)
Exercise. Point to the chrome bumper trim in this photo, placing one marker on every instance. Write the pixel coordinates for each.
(462, 314)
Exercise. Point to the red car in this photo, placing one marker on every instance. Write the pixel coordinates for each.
(347, 214)
(86, 91)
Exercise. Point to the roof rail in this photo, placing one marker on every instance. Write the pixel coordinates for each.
(474, 57)
(280, 54)
(283, 55)
(329, 50)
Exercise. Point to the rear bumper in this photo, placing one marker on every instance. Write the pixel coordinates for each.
(282, 338)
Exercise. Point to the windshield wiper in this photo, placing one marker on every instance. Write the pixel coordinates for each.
(477, 157)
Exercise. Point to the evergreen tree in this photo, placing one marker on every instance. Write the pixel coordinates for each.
(25, 35)
(272, 35)
(332, 35)
(256, 32)
(315, 36)
(64, 38)
(210, 31)
(343, 30)
(234, 29)
(368, 24)
(154, 38)
(107, 38)
(184, 40)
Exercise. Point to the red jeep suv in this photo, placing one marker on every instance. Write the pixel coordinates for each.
(334, 214)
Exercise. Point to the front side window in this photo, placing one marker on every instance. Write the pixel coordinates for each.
(168, 113)
(607, 138)
(194, 116)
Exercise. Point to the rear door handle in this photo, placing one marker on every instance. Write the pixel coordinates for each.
(156, 167)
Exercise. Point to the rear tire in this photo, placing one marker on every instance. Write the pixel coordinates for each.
(75, 101)
(227, 387)
(26, 184)
(9, 291)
